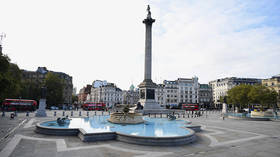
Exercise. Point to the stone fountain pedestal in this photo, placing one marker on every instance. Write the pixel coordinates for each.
(41, 112)
(126, 118)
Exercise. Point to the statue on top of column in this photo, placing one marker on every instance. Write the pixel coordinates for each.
(149, 12)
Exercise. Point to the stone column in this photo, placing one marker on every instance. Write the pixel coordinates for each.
(147, 87)
(148, 46)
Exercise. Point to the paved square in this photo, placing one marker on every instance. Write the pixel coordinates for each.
(218, 138)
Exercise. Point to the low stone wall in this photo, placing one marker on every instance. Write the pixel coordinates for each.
(196, 128)
(157, 141)
(262, 114)
(248, 118)
(93, 137)
(57, 131)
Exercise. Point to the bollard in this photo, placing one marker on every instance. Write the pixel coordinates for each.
(54, 114)
(95, 113)
(188, 116)
(12, 116)
(27, 114)
(155, 115)
(87, 113)
(3, 114)
(183, 115)
(102, 113)
(71, 113)
(80, 113)
(149, 114)
(160, 115)
(63, 113)
(178, 115)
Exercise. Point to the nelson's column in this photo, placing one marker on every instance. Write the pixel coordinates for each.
(147, 87)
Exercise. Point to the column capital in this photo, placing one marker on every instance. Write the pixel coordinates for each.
(149, 21)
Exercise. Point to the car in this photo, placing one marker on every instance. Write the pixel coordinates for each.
(54, 108)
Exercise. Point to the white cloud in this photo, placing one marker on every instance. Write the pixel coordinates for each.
(214, 39)
(105, 39)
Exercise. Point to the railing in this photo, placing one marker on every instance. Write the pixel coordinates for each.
(81, 113)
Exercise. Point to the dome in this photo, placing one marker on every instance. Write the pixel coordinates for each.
(131, 88)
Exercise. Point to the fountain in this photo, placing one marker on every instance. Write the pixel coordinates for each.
(144, 131)
(126, 117)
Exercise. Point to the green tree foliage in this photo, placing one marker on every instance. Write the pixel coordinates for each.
(243, 95)
(4, 62)
(31, 90)
(239, 95)
(223, 99)
(263, 96)
(10, 77)
(54, 89)
(74, 99)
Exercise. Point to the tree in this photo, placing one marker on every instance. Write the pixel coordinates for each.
(31, 90)
(263, 96)
(223, 99)
(74, 99)
(10, 84)
(10, 77)
(54, 89)
(239, 95)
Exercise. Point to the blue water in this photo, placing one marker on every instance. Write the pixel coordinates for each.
(153, 127)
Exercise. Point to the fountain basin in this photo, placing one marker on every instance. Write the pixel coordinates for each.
(154, 131)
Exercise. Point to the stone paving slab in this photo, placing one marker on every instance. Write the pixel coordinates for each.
(219, 138)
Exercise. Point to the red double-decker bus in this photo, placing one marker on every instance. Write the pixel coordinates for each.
(94, 106)
(19, 105)
(190, 107)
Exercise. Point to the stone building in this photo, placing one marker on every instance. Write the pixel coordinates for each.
(177, 92)
(188, 90)
(107, 93)
(221, 86)
(160, 95)
(273, 83)
(171, 93)
(130, 96)
(39, 76)
(83, 93)
(205, 96)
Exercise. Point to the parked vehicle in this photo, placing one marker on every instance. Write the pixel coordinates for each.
(54, 108)
(94, 106)
(190, 107)
(19, 105)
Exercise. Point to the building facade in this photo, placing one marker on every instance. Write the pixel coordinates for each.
(205, 96)
(273, 83)
(83, 93)
(220, 87)
(160, 95)
(109, 94)
(130, 96)
(175, 93)
(39, 76)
